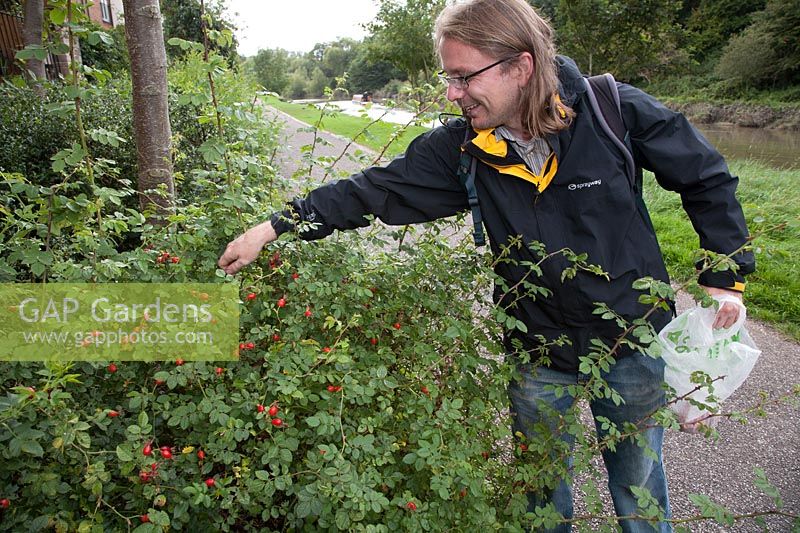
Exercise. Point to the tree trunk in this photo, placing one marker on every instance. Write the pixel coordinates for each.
(32, 35)
(151, 125)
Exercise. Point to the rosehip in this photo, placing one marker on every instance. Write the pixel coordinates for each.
(179, 362)
(166, 453)
(425, 390)
(282, 302)
(334, 388)
(201, 454)
(219, 370)
(251, 296)
(4, 503)
(308, 312)
(147, 450)
(260, 408)
(210, 482)
(373, 341)
(273, 410)
(277, 422)
(523, 447)
(276, 337)
(144, 475)
(397, 326)
(242, 346)
(295, 275)
(327, 349)
(411, 506)
(159, 381)
(176, 259)
(112, 368)
(144, 518)
(250, 345)
(113, 414)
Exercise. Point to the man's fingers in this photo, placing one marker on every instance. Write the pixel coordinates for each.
(234, 267)
(727, 316)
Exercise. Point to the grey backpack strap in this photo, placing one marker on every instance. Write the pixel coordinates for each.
(604, 99)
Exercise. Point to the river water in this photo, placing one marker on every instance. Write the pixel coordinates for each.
(776, 148)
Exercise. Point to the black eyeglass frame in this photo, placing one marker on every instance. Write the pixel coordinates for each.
(462, 82)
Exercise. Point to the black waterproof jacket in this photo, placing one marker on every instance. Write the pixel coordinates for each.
(590, 206)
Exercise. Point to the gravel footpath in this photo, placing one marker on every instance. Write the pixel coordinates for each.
(721, 469)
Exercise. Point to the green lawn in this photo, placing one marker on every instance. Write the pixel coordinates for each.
(771, 203)
(349, 126)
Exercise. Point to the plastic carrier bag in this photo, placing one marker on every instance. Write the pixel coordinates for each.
(690, 343)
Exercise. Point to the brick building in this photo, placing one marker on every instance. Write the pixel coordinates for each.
(105, 13)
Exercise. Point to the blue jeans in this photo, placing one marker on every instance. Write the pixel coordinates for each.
(637, 378)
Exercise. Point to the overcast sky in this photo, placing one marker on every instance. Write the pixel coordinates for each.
(297, 25)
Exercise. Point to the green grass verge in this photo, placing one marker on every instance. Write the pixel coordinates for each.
(771, 205)
(376, 137)
(769, 197)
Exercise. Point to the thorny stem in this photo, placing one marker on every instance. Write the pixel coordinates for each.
(73, 63)
(215, 102)
(397, 134)
(350, 143)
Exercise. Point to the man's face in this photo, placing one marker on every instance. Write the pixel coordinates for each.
(491, 99)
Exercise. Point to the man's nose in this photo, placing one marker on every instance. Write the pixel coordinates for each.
(454, 93)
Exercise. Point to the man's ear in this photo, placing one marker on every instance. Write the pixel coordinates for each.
(524, 65)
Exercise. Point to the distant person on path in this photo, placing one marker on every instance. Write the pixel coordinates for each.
(546, 171)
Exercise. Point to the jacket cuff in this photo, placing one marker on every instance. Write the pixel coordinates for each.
(282, 221)
(723, 280)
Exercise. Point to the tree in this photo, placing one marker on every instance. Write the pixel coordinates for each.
(369, 74)
(337, 57)
(546, 8)
(402, 35)
(182, 19)
(151, 125)
(629, 38)
(714, 22)
(766, 53)
(271, 68)
(33, 21)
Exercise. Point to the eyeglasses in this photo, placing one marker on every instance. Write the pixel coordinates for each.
(462, 82)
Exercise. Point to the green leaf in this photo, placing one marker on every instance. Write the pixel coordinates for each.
(58, 15)
(123, 454)
(32, 447)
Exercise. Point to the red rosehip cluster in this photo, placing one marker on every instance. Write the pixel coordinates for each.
(166, 257)
(275, 261)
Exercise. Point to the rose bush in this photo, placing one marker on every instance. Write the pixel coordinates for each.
(370, 390)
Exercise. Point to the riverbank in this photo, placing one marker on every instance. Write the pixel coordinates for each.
(740, 114)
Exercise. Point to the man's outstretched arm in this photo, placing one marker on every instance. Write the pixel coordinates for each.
(244, 249)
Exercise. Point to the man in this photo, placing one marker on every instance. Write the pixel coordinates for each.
(546, 171)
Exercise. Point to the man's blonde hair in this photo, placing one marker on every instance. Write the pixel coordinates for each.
(504, 28)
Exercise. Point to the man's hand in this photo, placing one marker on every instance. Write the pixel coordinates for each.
(244, 249)
(728, 313)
